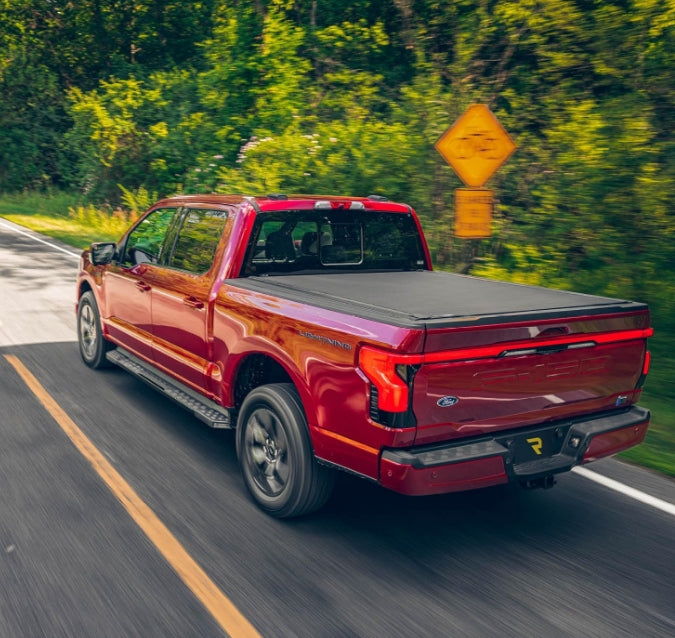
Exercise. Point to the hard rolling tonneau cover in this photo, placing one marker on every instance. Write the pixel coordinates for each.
(432, 299)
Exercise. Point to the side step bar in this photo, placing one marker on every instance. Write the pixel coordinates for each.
(213, 415)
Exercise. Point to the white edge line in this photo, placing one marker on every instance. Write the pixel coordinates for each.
(36, 238)
(631, 492)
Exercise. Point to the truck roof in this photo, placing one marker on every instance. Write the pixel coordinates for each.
(279, 201)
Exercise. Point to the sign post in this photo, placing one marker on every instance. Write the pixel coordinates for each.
(475, 146)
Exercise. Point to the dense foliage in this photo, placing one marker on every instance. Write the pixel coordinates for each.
(324, 96)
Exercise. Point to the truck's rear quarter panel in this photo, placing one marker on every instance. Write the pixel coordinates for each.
(318, 348)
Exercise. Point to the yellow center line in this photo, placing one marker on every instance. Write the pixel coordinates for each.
(219, 606)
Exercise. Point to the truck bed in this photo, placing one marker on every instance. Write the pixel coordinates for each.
(432, 299)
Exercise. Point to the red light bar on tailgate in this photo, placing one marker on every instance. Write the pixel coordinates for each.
(384, 368)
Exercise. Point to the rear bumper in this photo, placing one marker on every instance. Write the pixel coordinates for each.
(524, 455)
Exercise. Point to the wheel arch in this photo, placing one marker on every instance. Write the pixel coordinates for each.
(82, 287)
(256, 369)
(86, 285)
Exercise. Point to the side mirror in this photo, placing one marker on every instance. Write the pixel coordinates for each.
(102, 253)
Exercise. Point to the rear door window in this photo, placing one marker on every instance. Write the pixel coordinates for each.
(197, 239)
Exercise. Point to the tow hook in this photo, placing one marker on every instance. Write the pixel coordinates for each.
(543, 482)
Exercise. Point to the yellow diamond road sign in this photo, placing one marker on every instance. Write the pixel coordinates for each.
(476, 145)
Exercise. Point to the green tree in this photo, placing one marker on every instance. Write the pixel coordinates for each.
(32, 121)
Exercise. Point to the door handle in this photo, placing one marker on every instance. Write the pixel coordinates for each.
(193, 303)
(143, 287)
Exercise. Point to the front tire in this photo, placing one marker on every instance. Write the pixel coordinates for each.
(93, 346)
(275, 453)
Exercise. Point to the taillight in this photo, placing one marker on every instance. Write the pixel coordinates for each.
(645, 370)
(390, 377)
(646, 364)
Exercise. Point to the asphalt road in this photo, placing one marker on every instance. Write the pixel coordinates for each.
(577, 560)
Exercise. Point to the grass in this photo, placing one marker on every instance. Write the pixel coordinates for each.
(67, 218)
(658, 450)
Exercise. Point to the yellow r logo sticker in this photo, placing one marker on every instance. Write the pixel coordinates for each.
(536, 444)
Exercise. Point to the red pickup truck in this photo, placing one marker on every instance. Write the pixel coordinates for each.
(317, 328)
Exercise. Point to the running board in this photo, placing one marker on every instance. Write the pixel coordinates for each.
(213, 415)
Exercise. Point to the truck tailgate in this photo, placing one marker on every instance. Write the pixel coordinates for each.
(520, 386)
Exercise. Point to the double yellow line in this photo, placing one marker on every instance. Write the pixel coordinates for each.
(228, 617)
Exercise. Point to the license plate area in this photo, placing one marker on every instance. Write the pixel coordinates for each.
(533, 445)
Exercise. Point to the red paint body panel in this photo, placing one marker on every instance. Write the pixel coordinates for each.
(457, 477)
(613, 442)
(128, 308)
(180, 316)
(460, 381)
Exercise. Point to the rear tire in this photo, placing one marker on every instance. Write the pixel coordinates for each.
(93, 346)
(275, 453)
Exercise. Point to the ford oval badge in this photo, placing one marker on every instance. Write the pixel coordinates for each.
(446, 402)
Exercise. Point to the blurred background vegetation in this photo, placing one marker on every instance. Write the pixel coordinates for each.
(108, 104)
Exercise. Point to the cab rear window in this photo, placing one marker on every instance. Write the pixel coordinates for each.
(333, 240)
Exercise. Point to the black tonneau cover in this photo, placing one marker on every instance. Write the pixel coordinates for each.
(431, 299)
